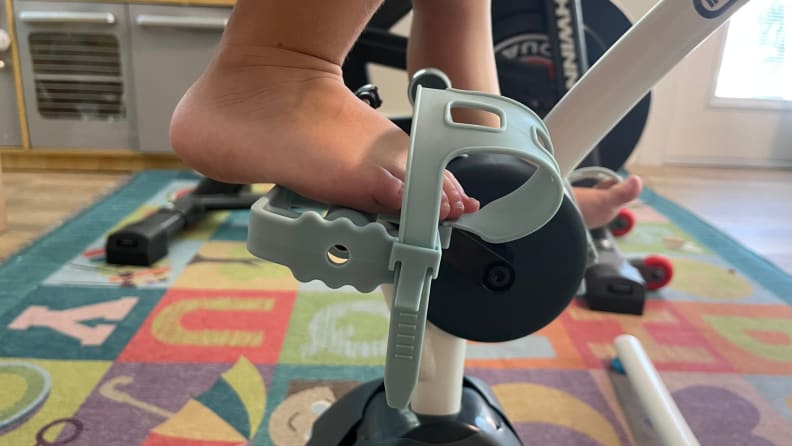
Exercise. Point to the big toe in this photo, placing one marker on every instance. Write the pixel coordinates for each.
(625, 191)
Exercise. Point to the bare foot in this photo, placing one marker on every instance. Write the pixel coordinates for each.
(599, 205)
(270, 115)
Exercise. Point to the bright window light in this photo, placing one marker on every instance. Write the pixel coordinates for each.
(755, 65)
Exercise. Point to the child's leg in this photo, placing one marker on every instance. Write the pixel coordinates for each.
(456, 37)
(272, 107)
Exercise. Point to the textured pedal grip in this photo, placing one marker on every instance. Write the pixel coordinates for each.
(303, 239)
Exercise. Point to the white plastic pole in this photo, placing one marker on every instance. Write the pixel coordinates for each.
(626, 72)
(439, 388)
(658, 404)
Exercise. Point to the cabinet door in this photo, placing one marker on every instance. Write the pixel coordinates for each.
(9, 114)
(74, 62)
(171, 46)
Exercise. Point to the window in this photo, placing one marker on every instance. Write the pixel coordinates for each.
(755, 66)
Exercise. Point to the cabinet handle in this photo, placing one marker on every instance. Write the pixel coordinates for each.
(164, 21)
(97, 18)
(5, 40)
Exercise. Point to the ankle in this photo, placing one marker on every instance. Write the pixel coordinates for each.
(236, 57)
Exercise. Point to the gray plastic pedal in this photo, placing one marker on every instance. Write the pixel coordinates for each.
(346, 247)
(337, 246)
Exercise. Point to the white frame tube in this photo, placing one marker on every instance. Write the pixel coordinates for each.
(439, 388)
(626, 72)
(658, 404)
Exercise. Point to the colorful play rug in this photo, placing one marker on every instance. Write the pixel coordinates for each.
(214, 347)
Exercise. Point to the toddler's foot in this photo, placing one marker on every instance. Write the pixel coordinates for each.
(270, 115)
(601, 204)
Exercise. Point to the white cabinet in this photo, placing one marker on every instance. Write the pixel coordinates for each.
(104, 76)
(74, 59)
(10, 134)
(171, 46)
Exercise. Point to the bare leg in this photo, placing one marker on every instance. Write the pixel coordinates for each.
(272, 107)
(456, 37)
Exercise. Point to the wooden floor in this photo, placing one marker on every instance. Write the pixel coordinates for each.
(753, 206)
(37, 202)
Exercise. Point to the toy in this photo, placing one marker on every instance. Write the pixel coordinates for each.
(424, 363)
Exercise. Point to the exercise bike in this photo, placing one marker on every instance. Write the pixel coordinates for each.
(507, 270)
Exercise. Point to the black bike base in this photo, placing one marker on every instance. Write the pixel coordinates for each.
(613, 284)
(363, 418)
(145, 242)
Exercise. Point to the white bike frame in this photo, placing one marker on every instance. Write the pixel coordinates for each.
(628, 70)
(591, 108)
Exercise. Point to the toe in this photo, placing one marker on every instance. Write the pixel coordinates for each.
(452, 190)
(599, 206)
(445, 210)
(624, 192)
(468, 204)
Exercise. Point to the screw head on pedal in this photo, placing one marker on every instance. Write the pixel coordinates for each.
(499, 277)
(428, 78)
(370, 95)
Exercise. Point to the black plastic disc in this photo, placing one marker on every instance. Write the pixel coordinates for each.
(547, 266)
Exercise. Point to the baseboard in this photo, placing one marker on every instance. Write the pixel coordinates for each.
(87, 160)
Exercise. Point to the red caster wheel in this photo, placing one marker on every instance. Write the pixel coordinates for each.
(656, 270)
(623, 223)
